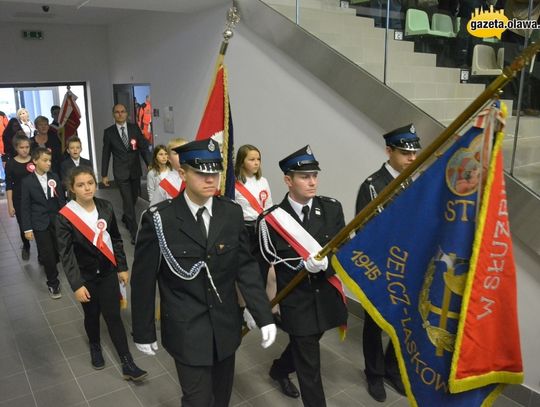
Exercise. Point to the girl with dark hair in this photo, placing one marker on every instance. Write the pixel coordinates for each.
(157, 170)
(18, 168)
(11, 129)
(93, 258)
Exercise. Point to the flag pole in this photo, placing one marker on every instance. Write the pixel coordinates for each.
(233, 18)
(429, 152)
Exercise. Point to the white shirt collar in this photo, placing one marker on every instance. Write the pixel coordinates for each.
(119, 127)
(391, 170)
(76, 161)
(193, 207)
(297, 207)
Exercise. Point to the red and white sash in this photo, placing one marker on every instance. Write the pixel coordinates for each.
(171, 184)
(96, 234)
(241, 188)
(289, 229)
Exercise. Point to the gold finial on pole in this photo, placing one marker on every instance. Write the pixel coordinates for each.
(233, 18)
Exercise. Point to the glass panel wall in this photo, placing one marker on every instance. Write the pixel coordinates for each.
(422, 50)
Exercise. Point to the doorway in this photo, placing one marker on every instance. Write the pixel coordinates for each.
(136, 98)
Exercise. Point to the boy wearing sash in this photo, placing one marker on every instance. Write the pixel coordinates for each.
(42, 197)
(317, 303)
(401, 147)
(94, 261)
(196, 248)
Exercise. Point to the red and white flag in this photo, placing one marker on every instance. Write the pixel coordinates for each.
(70, 116)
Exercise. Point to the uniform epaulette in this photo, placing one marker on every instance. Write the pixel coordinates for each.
(328, 199)
(225, 199)
(160, 205)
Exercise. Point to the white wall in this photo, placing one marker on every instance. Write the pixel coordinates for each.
(67, 53)
(275, 105)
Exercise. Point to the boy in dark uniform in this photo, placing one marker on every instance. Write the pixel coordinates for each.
(315, 305)
(401, 147)
(197, 249)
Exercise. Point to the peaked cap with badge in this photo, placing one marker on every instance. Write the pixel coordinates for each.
(302, 160)
(201, 155)
(404, 138)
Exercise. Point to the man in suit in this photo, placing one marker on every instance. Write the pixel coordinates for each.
(41, 199)
(315, 305)
(401, 147)
(74, 160)
(196, 248)
(127, 145)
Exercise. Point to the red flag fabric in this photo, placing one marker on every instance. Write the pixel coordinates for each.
(487, 344)
(70, 116)
(217, 123)
(213, 120)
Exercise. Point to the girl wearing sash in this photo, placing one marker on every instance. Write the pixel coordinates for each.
(157, 170)
(94, 261)
(253, 195)
(170, 186)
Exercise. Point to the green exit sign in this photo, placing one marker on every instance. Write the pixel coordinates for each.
(33, 35)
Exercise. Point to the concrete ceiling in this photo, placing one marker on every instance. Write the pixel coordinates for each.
(100, 12)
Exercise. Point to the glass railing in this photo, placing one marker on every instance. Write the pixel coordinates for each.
(427, 55)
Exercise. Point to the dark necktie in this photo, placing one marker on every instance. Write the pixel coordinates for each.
(200, 221)
(305, 211)
(124, 137)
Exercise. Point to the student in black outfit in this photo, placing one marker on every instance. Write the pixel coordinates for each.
(94, 261)
(42, 197)
(73, 159)
(17, 168)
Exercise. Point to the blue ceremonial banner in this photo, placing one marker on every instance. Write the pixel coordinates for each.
(408, 267)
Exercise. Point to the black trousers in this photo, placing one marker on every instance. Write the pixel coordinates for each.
(26, 243)
(48, 253)
(206, 386)
(130, 190)
(105, 300)
(378, 363)
(303, 355)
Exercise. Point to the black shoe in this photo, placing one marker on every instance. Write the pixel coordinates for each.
(287, 387)
(25, 253)
(130, 370)
(55, 293)
(396, 383)
(96, 356)
(375, 388)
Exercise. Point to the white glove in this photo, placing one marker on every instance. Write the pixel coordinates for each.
(248, 318)
(313, 265)
(147, 348)
(268, 333)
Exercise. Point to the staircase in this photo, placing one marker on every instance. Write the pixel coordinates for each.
(435, 90)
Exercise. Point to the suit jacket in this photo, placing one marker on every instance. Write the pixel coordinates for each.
(378, 180)
(126, 163)
(38, 210)
(80, 259)
(314, 306)
(193, 320)
(67, 165)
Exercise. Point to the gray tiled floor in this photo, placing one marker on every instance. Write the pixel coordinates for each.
(44, 358)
